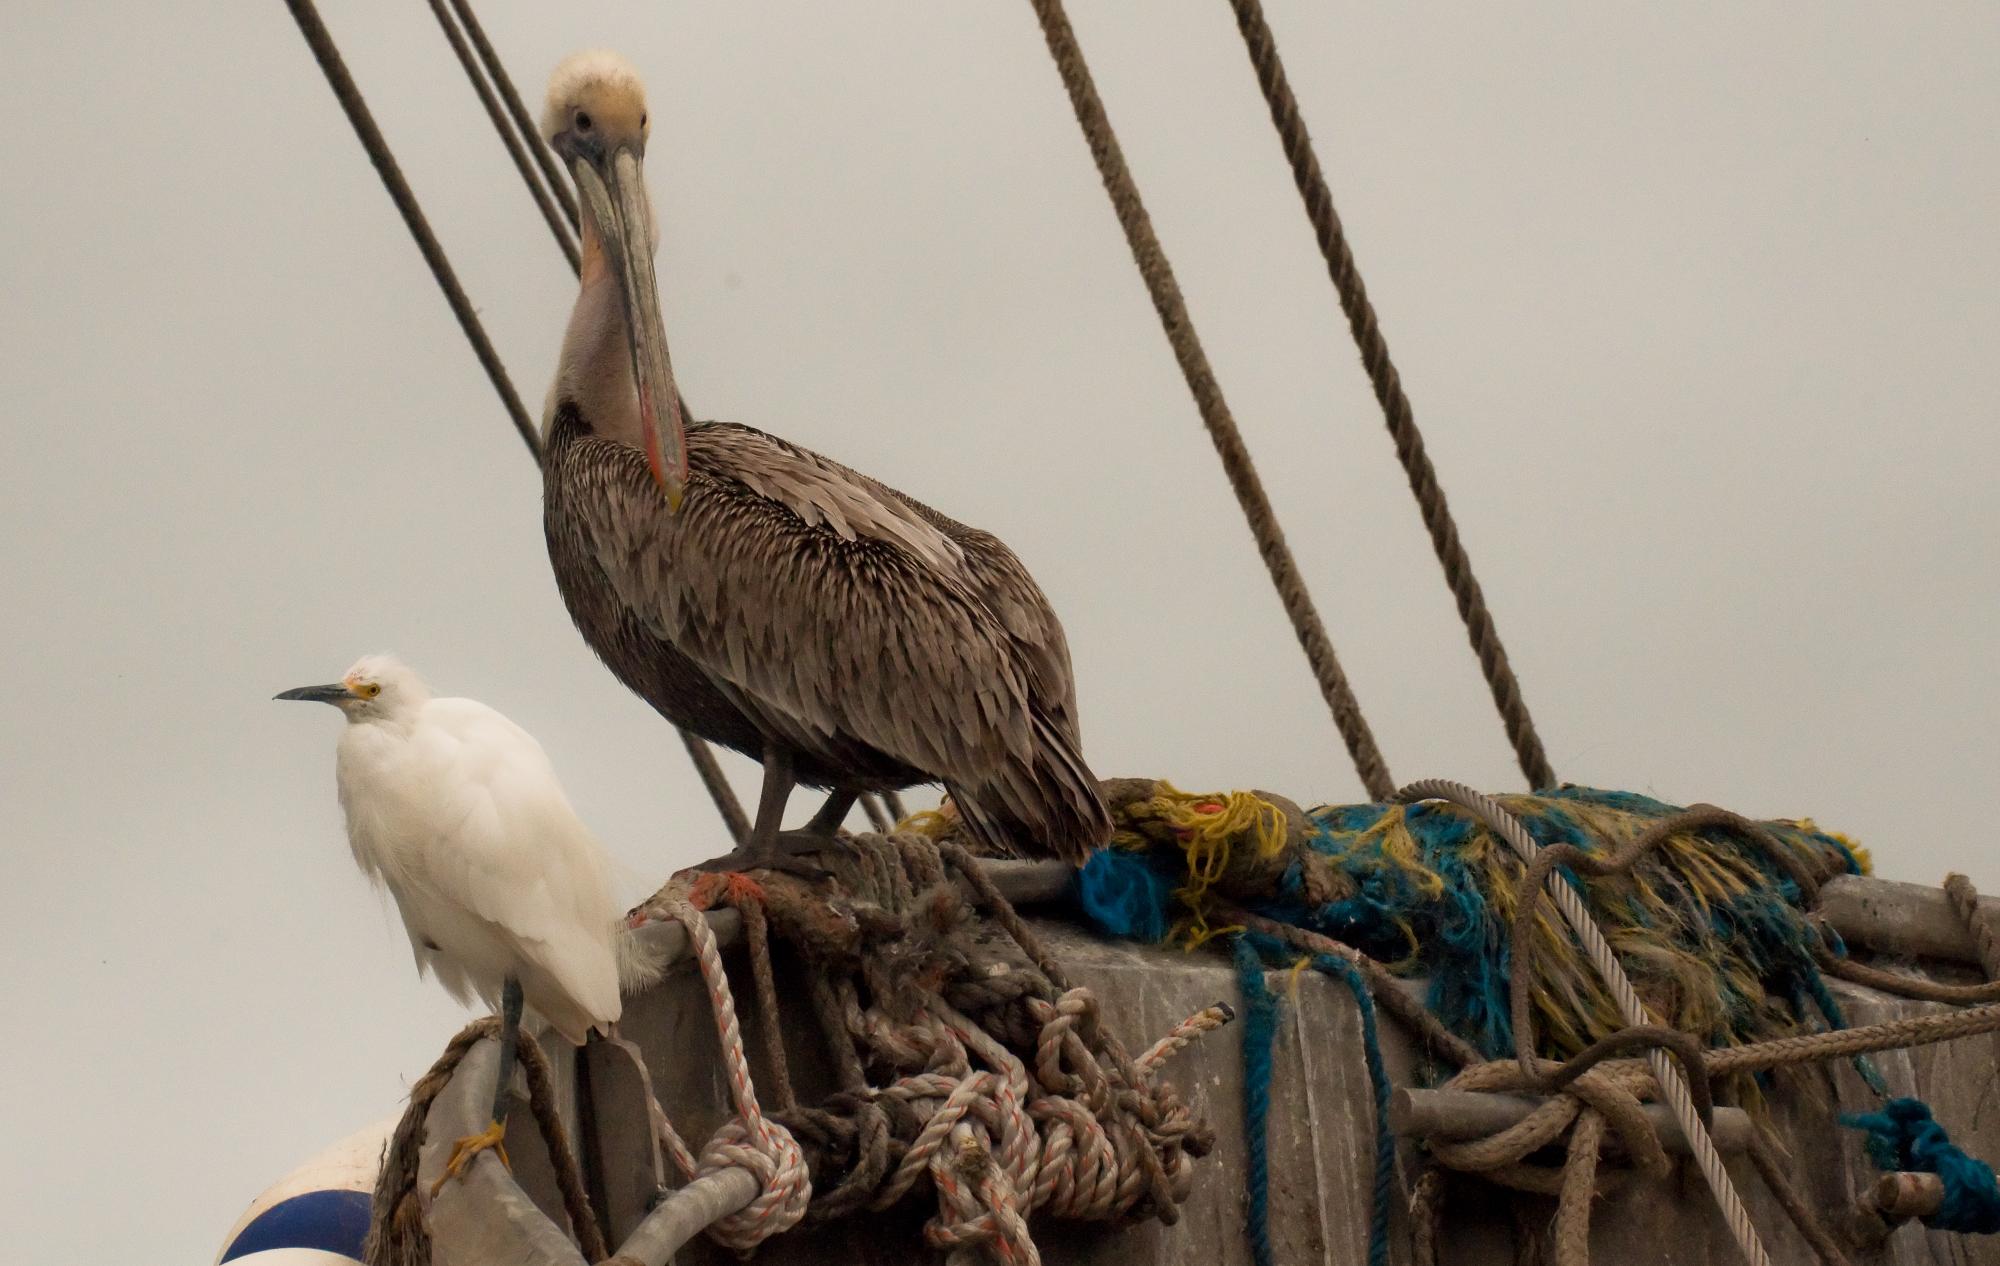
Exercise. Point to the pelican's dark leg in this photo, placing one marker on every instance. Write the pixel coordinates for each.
(777, 793)
(821, 831)
(770, 847)
(462, 1152)
(831, 814)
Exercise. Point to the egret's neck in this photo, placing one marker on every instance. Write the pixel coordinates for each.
(595, 372)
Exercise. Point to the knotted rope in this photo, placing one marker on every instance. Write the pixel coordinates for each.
(1744, 881)
(751, 1140)
(1672, 1084)
(970, 1068)
(1596, 1092)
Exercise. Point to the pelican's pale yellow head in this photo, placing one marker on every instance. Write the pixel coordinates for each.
(595, 117)
(596, 96)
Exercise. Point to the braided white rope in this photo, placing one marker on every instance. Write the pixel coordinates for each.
(1673, 1086)
(750, 1141)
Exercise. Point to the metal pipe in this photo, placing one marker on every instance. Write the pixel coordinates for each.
(483, 1213)
(1909, 920)
(1905, 1194)
(688, 1212)
(1459, 1115)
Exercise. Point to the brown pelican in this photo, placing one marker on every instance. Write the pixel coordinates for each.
(770, 599)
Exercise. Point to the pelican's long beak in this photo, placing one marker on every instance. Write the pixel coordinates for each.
(335, 693)
(614, 192)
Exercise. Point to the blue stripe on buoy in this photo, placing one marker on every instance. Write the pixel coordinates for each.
(333, 1221)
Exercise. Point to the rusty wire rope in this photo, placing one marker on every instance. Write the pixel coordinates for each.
(545, 159)
(306, 14)
(498, 115)
(331, 64)
(1158, 274)
(1388, 386)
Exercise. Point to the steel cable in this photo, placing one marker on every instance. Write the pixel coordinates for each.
(358, 116)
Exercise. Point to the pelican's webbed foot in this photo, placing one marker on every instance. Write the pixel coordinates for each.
(788, 851)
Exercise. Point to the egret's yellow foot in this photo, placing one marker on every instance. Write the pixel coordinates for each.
(470, 1146)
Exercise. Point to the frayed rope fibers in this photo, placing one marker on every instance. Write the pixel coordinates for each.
(1904, 1136)
(1711, 933)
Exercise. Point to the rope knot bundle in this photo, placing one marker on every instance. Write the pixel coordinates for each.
(970, 1069)
(1607, 1097)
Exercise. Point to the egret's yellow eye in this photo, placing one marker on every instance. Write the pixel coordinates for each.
(368, 689)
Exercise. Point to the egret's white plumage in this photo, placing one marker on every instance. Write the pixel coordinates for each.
(457, 811)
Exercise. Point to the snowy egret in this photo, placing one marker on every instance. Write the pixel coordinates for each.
(766, 598)
(505, 894)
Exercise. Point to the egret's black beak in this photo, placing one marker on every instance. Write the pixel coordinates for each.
(335, 693)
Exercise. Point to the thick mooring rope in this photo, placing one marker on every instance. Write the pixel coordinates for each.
(1673, 1086)
(1599, 1092)
(1216, 852)
(1151, 258)
(562, 1157)
(396, 1232)
(1964, 900)
(1388, 384)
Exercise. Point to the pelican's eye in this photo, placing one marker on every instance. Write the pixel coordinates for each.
(582, 121)
(368, 689)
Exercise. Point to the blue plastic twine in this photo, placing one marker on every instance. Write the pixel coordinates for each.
(1378, 1077)
(1260, 1030)
(1904, 1135)
(1260, 1026)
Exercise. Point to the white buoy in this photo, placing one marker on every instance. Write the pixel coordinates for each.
(317, 1215)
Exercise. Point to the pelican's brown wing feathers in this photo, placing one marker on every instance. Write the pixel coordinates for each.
(833, 610)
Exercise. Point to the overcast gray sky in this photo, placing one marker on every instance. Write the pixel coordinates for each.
(1698, 309)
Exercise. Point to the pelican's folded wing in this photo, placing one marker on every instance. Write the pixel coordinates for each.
(795, 584)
